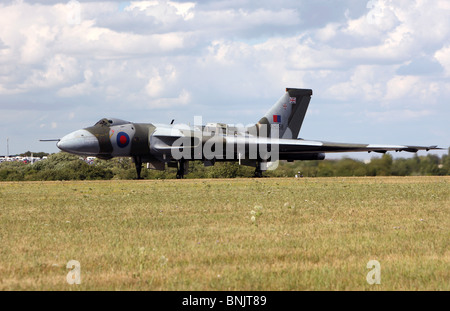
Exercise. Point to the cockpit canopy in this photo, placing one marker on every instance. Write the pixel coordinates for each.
(111, 122)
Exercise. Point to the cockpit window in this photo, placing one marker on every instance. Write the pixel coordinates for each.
(112, 121)
(102, 122)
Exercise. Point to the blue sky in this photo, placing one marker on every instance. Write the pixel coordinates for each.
(379, 70)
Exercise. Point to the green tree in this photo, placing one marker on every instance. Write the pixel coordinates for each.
(380, 166)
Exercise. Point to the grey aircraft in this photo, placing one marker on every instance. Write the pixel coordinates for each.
(260, 145)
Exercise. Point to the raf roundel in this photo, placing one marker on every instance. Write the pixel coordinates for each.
(123, 139)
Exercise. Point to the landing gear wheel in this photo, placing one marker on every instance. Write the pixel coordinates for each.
(258, 173)
(180, 172)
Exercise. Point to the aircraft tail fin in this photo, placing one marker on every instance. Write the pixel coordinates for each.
(288, 113)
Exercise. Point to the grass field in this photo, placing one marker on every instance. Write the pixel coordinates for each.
(306, 234)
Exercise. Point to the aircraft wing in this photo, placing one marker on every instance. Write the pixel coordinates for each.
(299, 149)
(305, 146)
(293, 149)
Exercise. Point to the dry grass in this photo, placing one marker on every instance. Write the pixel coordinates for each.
(310, 234)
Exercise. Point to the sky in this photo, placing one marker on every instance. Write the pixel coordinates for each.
(379, 69)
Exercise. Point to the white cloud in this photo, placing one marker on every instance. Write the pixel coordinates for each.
(363, 85)
(183, 99)
(412, 91)
(443, 56)
(79, 89)
(61, 69)
(158, 85)
(163, 11)
(399, 115)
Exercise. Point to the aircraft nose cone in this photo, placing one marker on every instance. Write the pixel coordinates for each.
(80, 142)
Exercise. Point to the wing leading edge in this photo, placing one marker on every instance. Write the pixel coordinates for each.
(308, 146)
(330, 147)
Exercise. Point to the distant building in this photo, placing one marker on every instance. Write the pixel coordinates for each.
(30, 160)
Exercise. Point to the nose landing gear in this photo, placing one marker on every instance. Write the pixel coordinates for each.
(138, 164)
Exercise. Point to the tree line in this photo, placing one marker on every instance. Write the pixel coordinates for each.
(64, 166)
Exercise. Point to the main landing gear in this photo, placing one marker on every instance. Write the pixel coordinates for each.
(258, 173)
(182, 168)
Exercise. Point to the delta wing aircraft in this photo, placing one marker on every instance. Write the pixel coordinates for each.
(260, 145)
